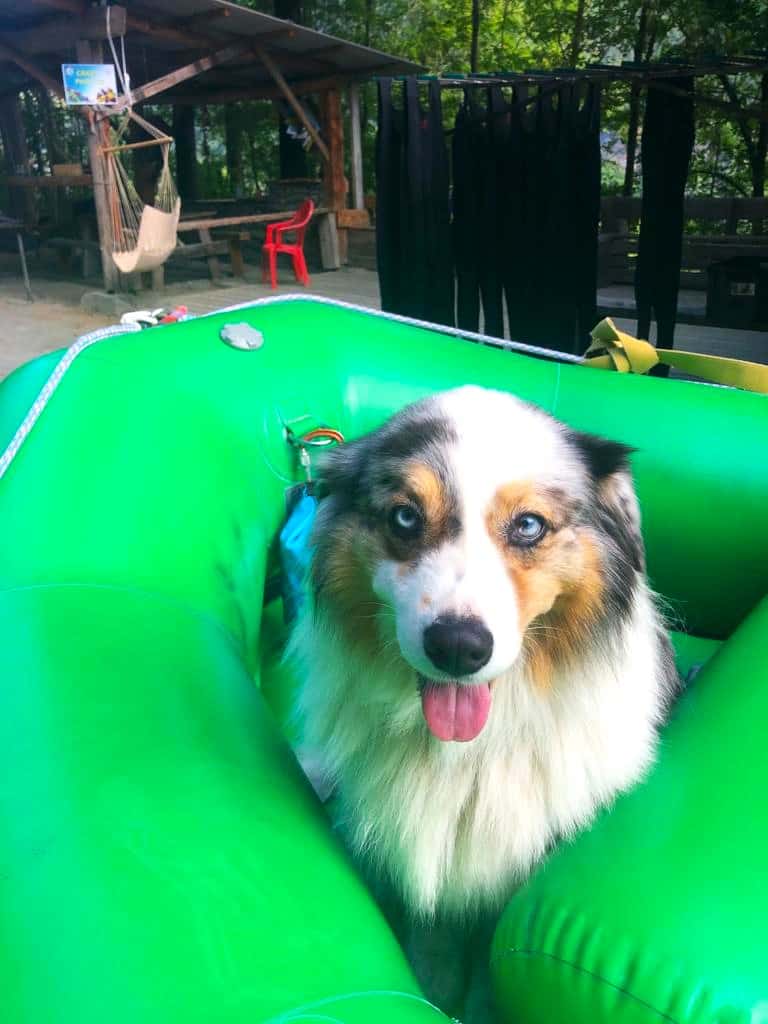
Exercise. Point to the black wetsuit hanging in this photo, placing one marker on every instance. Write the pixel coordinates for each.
(667, 144)
(494, 189)
(477, 225)
(526, 196)
(440, 292)
(389, 196)
(560, 143)
(413, 214)
(586, 187)
(466, 225)
(512, 139)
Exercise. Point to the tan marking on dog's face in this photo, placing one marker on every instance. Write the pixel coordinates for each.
(558, 581)
(347, 585)
(424, 484)
(420, 485)
(565, 625)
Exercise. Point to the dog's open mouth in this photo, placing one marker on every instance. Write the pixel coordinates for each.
(454, 711)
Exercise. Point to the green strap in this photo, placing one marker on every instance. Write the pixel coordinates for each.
(612, 349)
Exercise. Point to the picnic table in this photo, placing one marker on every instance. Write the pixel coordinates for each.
(236, 232)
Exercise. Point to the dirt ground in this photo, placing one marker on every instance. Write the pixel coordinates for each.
(28, 329)
(55, 318)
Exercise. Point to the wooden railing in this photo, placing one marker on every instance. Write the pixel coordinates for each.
(732, 221)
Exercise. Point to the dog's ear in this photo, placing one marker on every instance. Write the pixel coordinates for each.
(609, 467)
(339, 471)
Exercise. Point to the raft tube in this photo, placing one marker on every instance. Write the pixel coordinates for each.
(164, 860)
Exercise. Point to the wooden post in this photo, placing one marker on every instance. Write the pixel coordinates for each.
(91, 53)
(186, 156)
(334, 182)
(357, 147)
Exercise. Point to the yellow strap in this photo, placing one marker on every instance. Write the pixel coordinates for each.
(612, 349)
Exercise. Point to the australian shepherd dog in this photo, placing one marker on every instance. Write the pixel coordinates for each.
(484, 666)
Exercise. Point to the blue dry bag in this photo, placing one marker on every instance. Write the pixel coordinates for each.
(296, 552)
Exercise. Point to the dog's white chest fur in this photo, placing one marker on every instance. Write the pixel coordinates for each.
(455, 826)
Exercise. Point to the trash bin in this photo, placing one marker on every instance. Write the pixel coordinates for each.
(737, 292)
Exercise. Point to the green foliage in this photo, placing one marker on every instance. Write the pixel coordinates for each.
(514, 35)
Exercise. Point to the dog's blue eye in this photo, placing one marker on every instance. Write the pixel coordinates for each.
(405, 521)
(527, 529)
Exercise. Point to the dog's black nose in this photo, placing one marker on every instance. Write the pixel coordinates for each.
(458, 646)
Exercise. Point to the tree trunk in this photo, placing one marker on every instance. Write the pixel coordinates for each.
(761, 152)
(369, 8)
(578, 33)
(32, 107)
(640, 52)
(756, 145)
(475, 35)
(53, 144)
(186, 153)
(20, 200)
(233, 136)
(292, 155)
(634, 121)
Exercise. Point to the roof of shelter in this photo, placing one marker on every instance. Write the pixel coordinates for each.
(163, 35)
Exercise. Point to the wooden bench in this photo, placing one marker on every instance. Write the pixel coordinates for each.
(618, 241)
(212, 248)
(617, 256)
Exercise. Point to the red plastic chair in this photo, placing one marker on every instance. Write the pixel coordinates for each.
(274, 244)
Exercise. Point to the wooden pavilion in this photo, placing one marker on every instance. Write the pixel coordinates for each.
(187, 53)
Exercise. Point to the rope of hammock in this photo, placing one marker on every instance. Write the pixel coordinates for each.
(128, 207)
(144, 234)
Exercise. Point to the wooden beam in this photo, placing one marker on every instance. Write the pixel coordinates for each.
(70, 6)
(196, 21)
(98, 137)
(357, 147)
(731, 110)
(60, 32)
(290, 96)
(306, 60)
(288, 63)
(49, 180)
(138, 145)
(140, 24)
(183, 74)
(277, 33)
(263, 92)
(13, 55)
(169, 33)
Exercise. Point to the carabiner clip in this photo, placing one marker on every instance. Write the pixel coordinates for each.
(319, 437)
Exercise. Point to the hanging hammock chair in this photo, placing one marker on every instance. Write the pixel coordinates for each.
(144, 235)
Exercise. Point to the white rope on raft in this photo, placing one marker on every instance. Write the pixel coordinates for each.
(53, 382)
(103, 333)
(455, 332)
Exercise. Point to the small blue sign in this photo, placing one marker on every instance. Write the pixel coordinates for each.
(89, 84)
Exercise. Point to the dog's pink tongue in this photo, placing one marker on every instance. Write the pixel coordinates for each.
(455, 712)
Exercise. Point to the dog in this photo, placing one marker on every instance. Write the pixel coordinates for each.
(483, 663)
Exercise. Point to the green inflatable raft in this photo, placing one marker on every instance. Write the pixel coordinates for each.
(163, 860)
